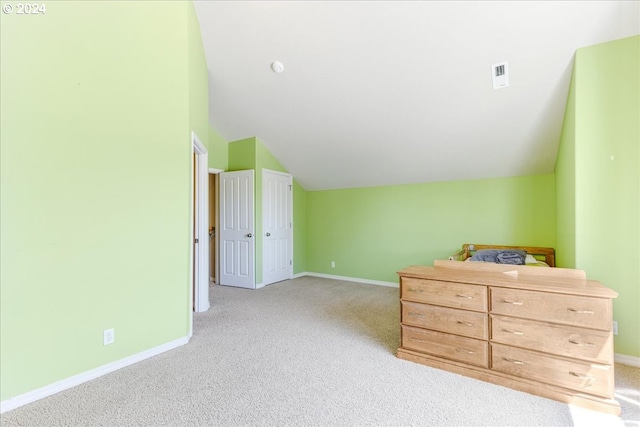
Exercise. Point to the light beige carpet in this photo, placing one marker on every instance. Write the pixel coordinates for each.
(304, 352)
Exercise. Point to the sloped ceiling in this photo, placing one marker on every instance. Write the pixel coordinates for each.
(380, 93)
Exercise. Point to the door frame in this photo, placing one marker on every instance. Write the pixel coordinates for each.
(199, 264)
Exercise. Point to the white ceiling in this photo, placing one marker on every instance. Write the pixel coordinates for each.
(380, 93)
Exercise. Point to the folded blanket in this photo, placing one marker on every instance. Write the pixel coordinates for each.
(485, 255)
(511, 257)
(500, 256)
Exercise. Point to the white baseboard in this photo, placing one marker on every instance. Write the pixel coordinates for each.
(348, 279)
(51, 389)
(627, 360)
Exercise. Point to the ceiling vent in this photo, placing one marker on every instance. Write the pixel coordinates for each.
(500, 74)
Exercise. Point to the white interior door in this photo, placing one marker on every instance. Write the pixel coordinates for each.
(277, 214)
(237, 248)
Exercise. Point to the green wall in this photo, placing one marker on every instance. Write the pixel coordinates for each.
(198, 79)
(607, 177)
(299, 228)
(242, 154)
(97, 104)
(372, 233)
(218, 150)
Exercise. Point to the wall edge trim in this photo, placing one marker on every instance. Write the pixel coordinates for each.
(348, 279)
(627, 360)
(75, 380)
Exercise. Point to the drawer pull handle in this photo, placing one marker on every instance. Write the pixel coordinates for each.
(464, 296)
(513, 332)
(575, 374)
(512, 302)
(589, 379)
(417, 340)
(573, 310)
(464, 350)
(414, 314)
(583, 344)
(515, 362)
(414, 290)
(460, 322)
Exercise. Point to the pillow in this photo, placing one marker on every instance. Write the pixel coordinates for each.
(530, 259)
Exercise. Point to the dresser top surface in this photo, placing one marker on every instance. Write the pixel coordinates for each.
(554, 283)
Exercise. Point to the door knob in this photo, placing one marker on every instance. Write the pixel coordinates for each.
(268, 234)
(249, 235)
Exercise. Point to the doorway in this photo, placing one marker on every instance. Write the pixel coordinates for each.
(214, 223)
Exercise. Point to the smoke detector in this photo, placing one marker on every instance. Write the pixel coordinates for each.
(277, 67)
(500, 75)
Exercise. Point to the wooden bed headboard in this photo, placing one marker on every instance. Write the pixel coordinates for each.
(548, 253)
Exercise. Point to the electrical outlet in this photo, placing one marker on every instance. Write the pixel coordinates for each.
(333, 264)
(615, 327)
(109, 336)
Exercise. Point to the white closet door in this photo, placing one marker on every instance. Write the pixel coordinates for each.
(237, 248)
(277, 209)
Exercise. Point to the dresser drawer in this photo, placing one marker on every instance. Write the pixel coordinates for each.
(569, 341)
(581, 376)
(447, 294)
(452, 347)
(451, 320)
(567, 309)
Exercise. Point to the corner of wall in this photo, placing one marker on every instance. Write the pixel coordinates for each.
(565, 182)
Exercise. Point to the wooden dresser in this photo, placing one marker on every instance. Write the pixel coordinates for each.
(546, 333)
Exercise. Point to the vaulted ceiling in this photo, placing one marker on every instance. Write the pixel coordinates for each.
(389, 92)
